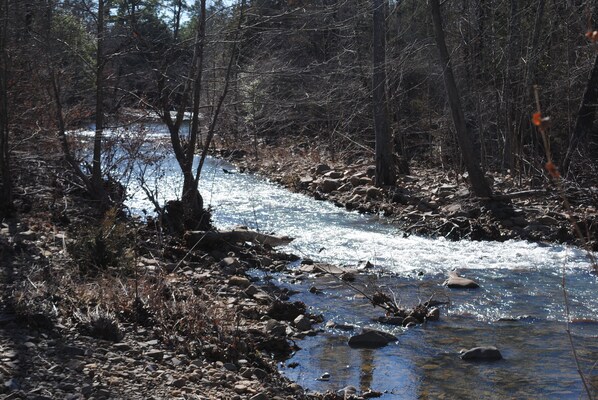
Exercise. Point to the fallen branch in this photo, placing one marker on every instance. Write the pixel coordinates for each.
(236, 236)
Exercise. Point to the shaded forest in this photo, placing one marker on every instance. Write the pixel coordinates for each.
(346, 76)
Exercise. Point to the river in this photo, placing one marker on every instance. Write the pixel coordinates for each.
(519, 307)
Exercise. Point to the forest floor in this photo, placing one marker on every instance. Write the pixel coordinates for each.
(429, 200)
(104, 307)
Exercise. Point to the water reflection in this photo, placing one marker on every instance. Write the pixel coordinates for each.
(367, 366)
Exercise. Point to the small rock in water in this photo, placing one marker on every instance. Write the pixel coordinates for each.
(314, 290)
(302, 323)
(487, 353)
(433, 314)
(455, 281)
(371, 338)
(324, 377)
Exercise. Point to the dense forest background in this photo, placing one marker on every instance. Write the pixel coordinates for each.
(303, 71)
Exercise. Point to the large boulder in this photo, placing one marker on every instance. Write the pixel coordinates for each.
(484, 353)
(371, 338)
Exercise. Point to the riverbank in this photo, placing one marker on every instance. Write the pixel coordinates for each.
(428, 201)
(100, 307)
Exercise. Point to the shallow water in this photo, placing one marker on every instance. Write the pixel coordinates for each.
(519, 281)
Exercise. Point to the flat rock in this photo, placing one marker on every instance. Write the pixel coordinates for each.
(455, 281)
(240, 281)
(371, 338)
(484, 353)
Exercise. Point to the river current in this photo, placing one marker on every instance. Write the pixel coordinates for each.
(519, 308)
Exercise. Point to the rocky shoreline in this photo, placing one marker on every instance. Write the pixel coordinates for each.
(168, 318)
(109, 308)
(428, 201)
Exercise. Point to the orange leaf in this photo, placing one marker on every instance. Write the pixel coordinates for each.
(537, 119)
(552, 169)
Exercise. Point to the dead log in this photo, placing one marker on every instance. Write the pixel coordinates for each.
(235, 236)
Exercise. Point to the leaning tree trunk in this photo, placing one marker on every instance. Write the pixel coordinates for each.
(476, 176)
(385, 166)
(585, 116)
(5, 174)
(96, 167)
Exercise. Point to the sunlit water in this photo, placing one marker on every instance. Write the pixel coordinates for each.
(519, 308)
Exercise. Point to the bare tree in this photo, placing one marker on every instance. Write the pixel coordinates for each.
(476, 176)
(385, 165)
(5, 174)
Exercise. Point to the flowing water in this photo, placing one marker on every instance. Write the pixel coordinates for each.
(520, 307)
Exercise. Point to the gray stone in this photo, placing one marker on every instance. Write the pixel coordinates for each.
(433, 314)
(333, 174)
(155, 354)
(328, 185)
(371, 338)
(302, 323)
(374, 193)
(484, 353)
(455, 281)
(230, 366)
(240, 281)
(259, 373)
(321, 168)
(251, 291)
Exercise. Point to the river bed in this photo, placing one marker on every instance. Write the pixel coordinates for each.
(519, 307)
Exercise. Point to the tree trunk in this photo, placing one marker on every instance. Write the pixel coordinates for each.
(5, 174)
(586, 115)
(476, 176)
(511, 106)
(96, 169)
(385, 166)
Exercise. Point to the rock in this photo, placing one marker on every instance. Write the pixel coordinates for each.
(360, 190)
(251, 291)
(305, 181)
(178, 383)
(155, 354)
(276, 328)
(345, 188)
(230, 265)
(259, 396)
(370, 394)
(240, 281)
(342, 327)
(324, 377)
(302, 323)
(333, 174)
(371, 171)
(230, 366)
(348, 276)
(314, 290)
(455, 281)
(328, 185)
(321, 168)
(286, 311)
(487, 353)
(371, 338)
(260, 373)
(433, 314)
(374, 193)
